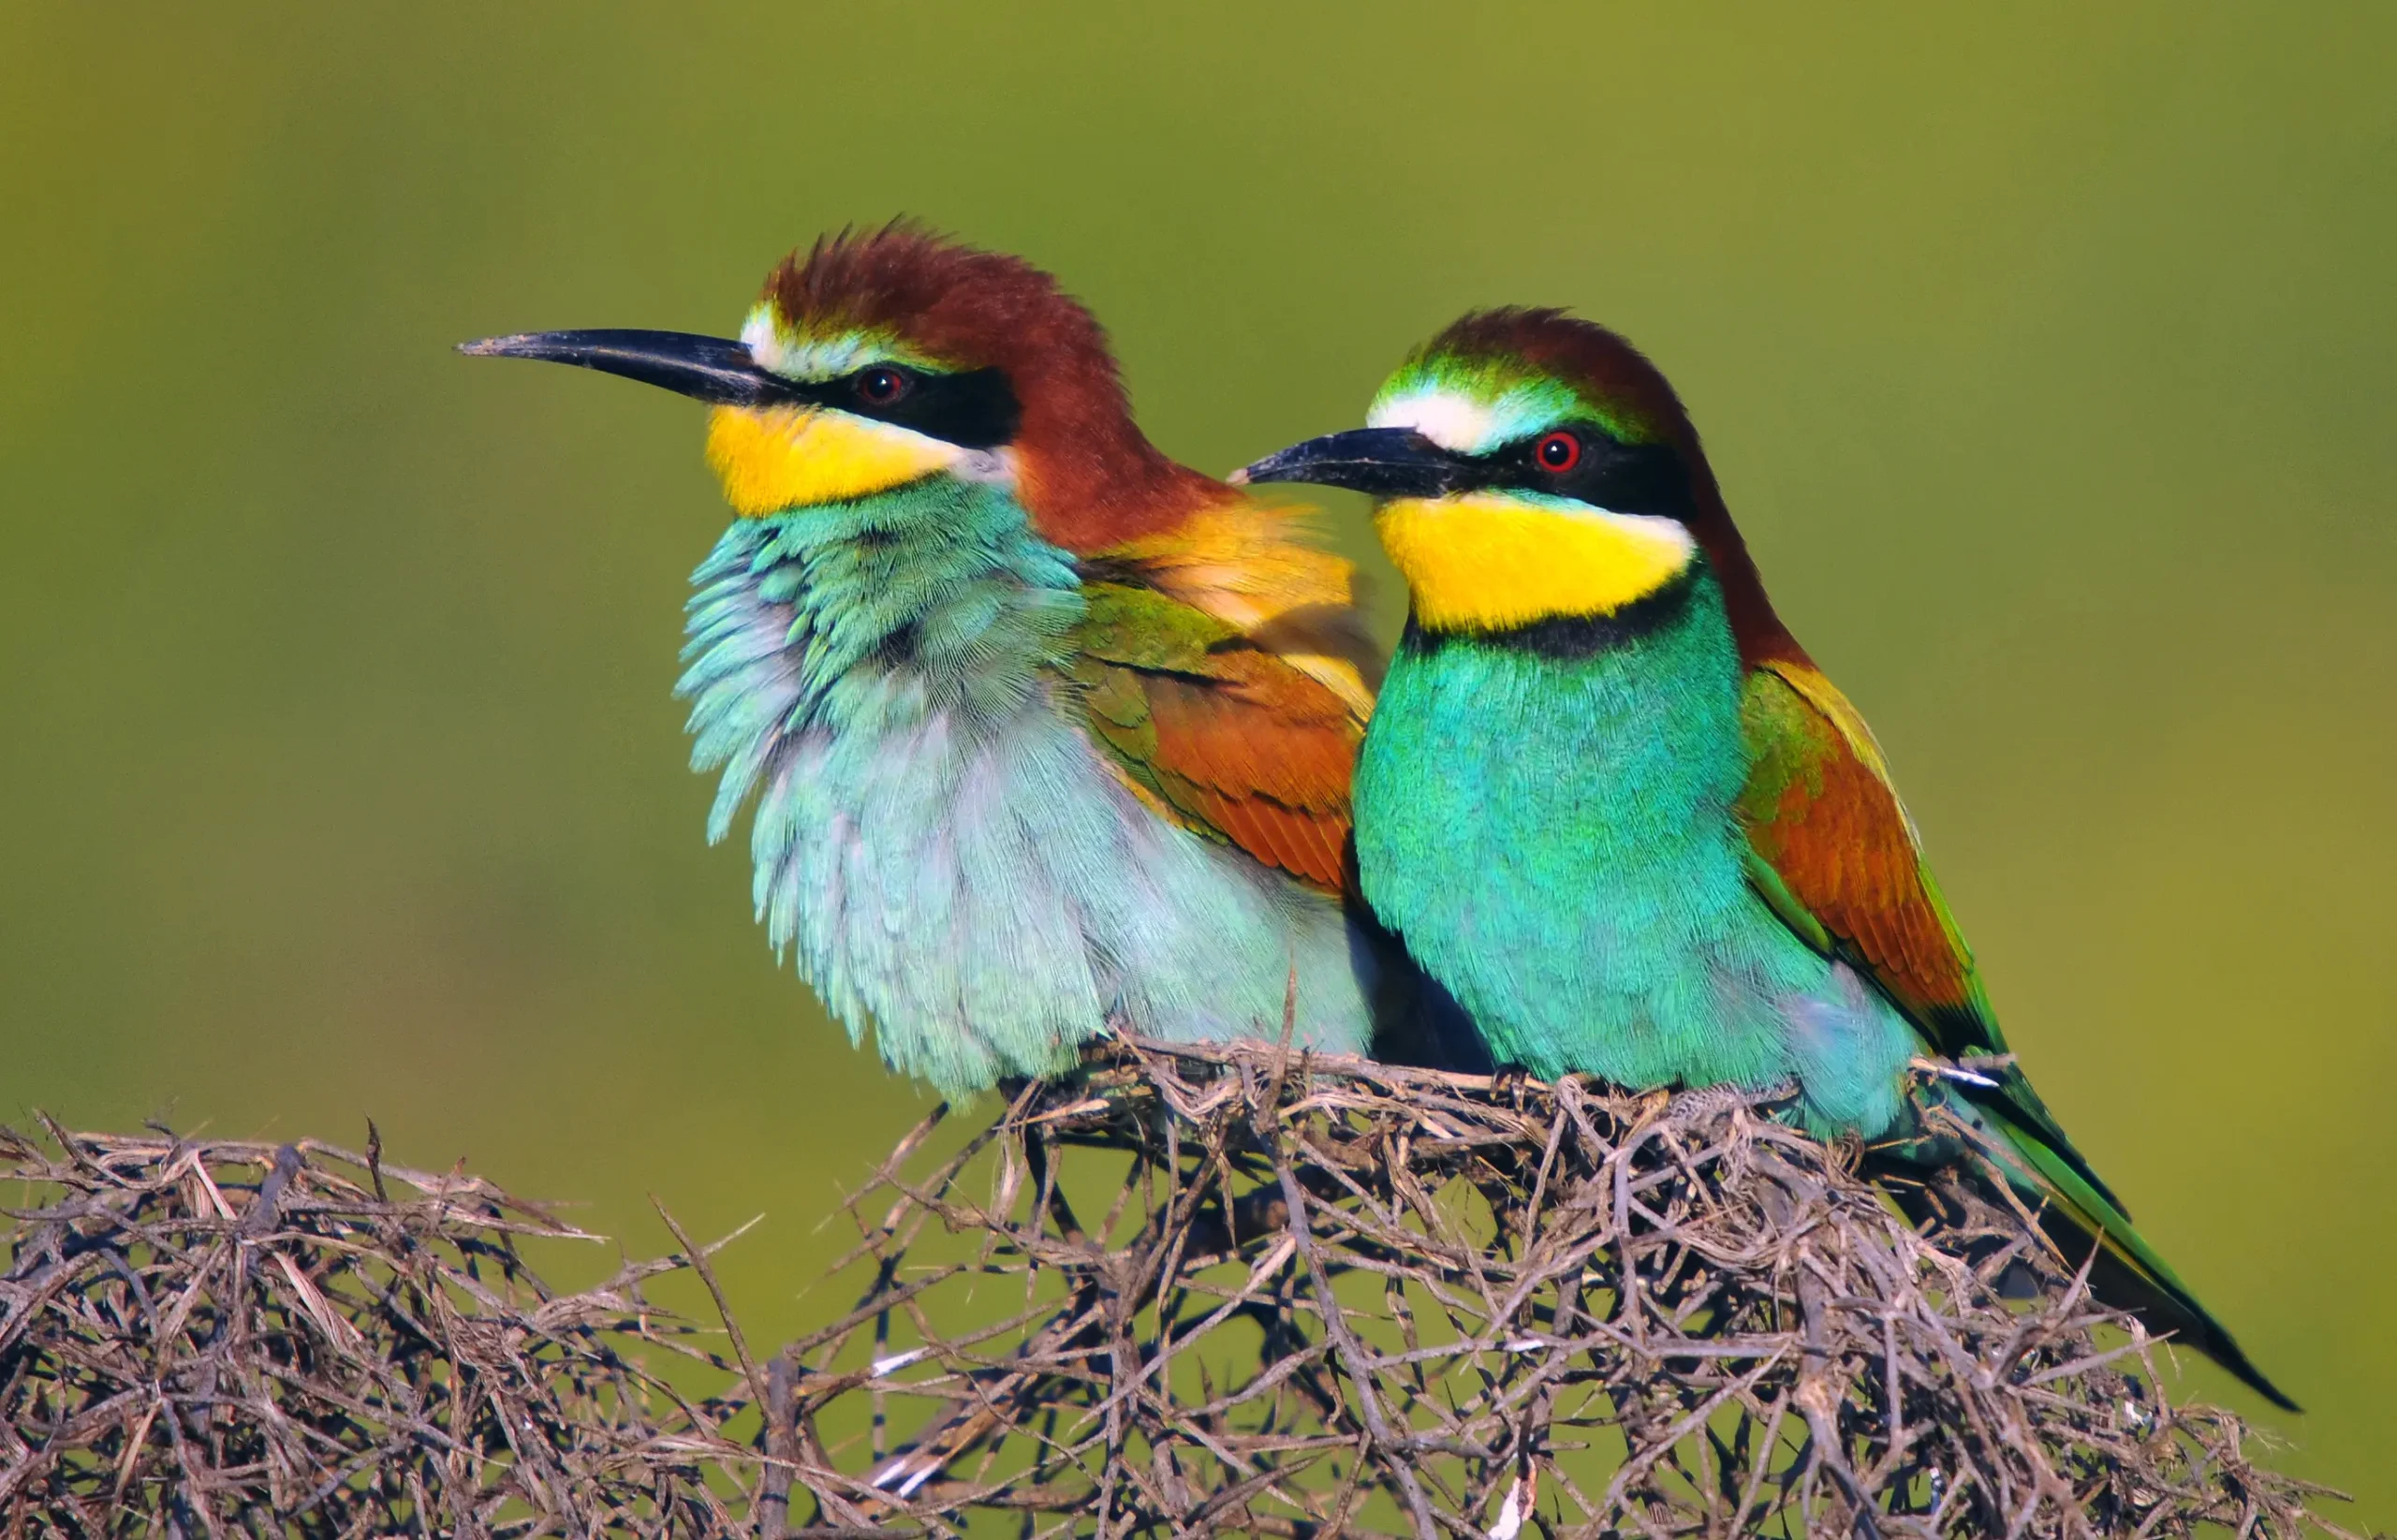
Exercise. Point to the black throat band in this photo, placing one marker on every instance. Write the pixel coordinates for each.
(1570, 636)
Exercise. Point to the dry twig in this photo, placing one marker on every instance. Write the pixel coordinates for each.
(1503, 1305)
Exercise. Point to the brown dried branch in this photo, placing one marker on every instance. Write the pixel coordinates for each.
(1324, 1297)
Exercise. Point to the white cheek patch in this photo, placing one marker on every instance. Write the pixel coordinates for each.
(1457, 424)
(1666, 534)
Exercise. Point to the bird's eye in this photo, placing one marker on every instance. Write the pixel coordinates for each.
(1558, 453)
(881, 387)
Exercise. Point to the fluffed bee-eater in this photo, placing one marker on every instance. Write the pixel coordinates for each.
(1046, 733)
(1610, 803)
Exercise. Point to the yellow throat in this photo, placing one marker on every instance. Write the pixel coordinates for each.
(1487, 561)
(783, 456)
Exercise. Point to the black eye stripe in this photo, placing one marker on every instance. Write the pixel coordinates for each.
(1606, 473)
(975, 409)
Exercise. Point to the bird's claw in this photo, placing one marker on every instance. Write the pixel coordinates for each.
(1705, 1103)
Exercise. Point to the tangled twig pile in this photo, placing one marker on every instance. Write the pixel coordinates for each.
(1193, 1291)
(203, 1338)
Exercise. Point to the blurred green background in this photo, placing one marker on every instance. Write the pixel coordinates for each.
(2048, 363)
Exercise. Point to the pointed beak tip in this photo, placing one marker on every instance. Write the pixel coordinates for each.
(1378, 462)
(1237, 477)
(718, 370)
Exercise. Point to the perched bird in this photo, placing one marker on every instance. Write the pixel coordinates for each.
(1045, 731)
(1609, 801)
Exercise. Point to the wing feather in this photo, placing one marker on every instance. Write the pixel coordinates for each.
(1822, 812)
(1226, 688)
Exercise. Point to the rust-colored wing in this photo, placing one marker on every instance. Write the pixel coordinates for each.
(1820, 810)
(1220, 667)
(1822, 814)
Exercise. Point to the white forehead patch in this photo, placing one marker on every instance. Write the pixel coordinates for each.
(807, 357)
(1456, 423)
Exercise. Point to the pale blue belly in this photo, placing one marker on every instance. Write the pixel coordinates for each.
(991, 901)
(937, 845)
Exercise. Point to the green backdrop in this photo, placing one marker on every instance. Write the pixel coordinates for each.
(2048, 363)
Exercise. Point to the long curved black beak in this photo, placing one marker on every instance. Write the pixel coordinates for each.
(1385, 461)
(713, 369)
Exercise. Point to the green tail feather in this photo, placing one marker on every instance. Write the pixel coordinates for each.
(2128, 1272)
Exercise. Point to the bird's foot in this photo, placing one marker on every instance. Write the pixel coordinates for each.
(1652, 1106)
(1709, 1102)
(1506, 1083)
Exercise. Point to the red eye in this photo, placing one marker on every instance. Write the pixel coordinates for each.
(1558, 453)
(881, 387)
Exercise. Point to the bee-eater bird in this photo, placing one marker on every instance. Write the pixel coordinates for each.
(1045, 732)
(1610, 802)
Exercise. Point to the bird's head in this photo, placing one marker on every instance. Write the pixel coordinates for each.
(1533, 466)
(880, 359)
